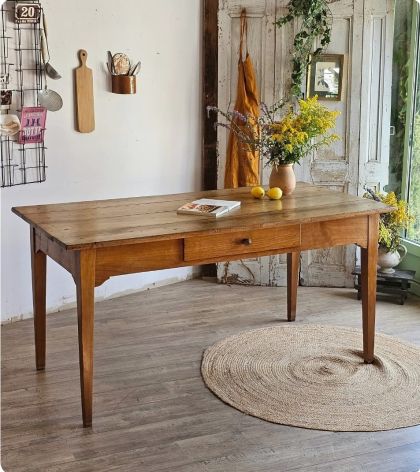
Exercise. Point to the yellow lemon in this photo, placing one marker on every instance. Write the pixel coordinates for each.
(258, 192)
(275, 193)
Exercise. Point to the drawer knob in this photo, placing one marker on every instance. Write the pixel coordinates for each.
(246, 241)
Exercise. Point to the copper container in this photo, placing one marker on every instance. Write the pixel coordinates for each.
(124, 84)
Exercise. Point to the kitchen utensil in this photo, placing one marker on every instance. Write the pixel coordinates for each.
(121, 63)
(50, 99)
(135, 69)
(45, 50)
(47, 98)
(111, 71)
(110, 62)
(9, 125)
(84, 96)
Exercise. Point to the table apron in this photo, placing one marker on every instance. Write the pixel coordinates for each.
(211, 248)
(221, 247)
(63, 257)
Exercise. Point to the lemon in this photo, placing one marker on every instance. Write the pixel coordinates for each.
(275, 193)
(258, 192)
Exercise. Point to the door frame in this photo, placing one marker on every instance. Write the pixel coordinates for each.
(209, 93)
(210, 79)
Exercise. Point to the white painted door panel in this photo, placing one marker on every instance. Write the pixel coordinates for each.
(362, 31)
(261, 45)
(336, 167)
(376, 94)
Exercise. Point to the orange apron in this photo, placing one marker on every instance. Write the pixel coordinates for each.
(242, 164)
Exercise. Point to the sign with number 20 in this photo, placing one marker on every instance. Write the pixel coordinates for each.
(27, 13)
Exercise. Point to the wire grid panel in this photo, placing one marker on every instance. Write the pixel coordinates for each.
(21, 71)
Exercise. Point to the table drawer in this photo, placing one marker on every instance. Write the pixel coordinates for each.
(242, 242)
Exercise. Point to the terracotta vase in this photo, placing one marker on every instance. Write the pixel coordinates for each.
(283, 176)
(387, 260)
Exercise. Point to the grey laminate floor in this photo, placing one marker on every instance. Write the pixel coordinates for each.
(152, 411)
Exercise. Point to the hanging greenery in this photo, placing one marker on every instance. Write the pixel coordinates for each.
(315, 22)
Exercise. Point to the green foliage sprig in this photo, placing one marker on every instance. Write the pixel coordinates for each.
(283, 134)
(315, 22)
(391, 224)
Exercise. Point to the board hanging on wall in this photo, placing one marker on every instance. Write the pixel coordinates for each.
(84, 96)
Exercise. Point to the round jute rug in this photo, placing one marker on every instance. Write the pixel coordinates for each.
(314, 377)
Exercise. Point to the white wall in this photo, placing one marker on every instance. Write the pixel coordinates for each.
(144, 144)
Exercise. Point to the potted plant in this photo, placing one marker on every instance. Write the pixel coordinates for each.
(283, 135)
(312, 21)
(391, 251)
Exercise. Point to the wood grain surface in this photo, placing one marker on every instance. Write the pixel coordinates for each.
(98, 240)
(130, 220)
(153, 412)
(241, 243)
(84, 96)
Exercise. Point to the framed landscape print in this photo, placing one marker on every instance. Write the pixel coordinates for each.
(325, 76)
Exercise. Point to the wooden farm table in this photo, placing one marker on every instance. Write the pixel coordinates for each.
(100, 239)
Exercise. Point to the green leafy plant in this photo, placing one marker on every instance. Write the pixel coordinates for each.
(413, 232)
(315, 22)
(391, 224)
(400, 83)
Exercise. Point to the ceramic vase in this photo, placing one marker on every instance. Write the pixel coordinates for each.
(283, 176)
(387, 260)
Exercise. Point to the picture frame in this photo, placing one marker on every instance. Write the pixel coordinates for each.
(32, 125)
(325, 77)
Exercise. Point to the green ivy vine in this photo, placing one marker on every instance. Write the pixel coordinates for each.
(315, 22)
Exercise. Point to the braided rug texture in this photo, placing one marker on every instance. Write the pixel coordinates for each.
(314, 377)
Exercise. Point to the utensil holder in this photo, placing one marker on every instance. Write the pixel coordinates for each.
(124, 84)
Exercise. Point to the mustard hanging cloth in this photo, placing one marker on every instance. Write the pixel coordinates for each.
(243, 164)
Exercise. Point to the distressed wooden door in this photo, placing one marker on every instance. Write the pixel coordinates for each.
(362, 31)
(261, 15)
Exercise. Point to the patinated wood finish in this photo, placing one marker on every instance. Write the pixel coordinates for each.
(359, 158)
(100, 239)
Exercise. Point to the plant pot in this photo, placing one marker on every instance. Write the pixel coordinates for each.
(387, 260)
(283, 176)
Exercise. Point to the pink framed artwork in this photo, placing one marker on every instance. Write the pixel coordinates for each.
(32, 125)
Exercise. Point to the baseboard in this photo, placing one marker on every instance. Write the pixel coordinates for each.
(72, 304)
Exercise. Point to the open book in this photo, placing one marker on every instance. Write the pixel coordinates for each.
(208, 207)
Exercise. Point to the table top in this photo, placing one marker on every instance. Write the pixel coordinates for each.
(130, 220)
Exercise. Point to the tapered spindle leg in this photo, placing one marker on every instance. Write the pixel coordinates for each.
(85, 283)
(293, 260)
(39, 294)
(369, 259)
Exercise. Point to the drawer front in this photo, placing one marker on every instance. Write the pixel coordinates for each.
(134, 258)
(335, 233)
(240, 243)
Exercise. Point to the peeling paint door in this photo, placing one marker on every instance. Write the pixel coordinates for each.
(261, 15)
(362, 31)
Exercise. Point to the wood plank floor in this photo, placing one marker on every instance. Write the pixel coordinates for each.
(152, 411)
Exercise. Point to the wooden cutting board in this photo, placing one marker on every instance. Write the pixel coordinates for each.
(84, 96)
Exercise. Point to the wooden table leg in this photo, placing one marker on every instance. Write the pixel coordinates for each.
(293, 260)
(85, 284)
(39, 294)
(368, 269)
